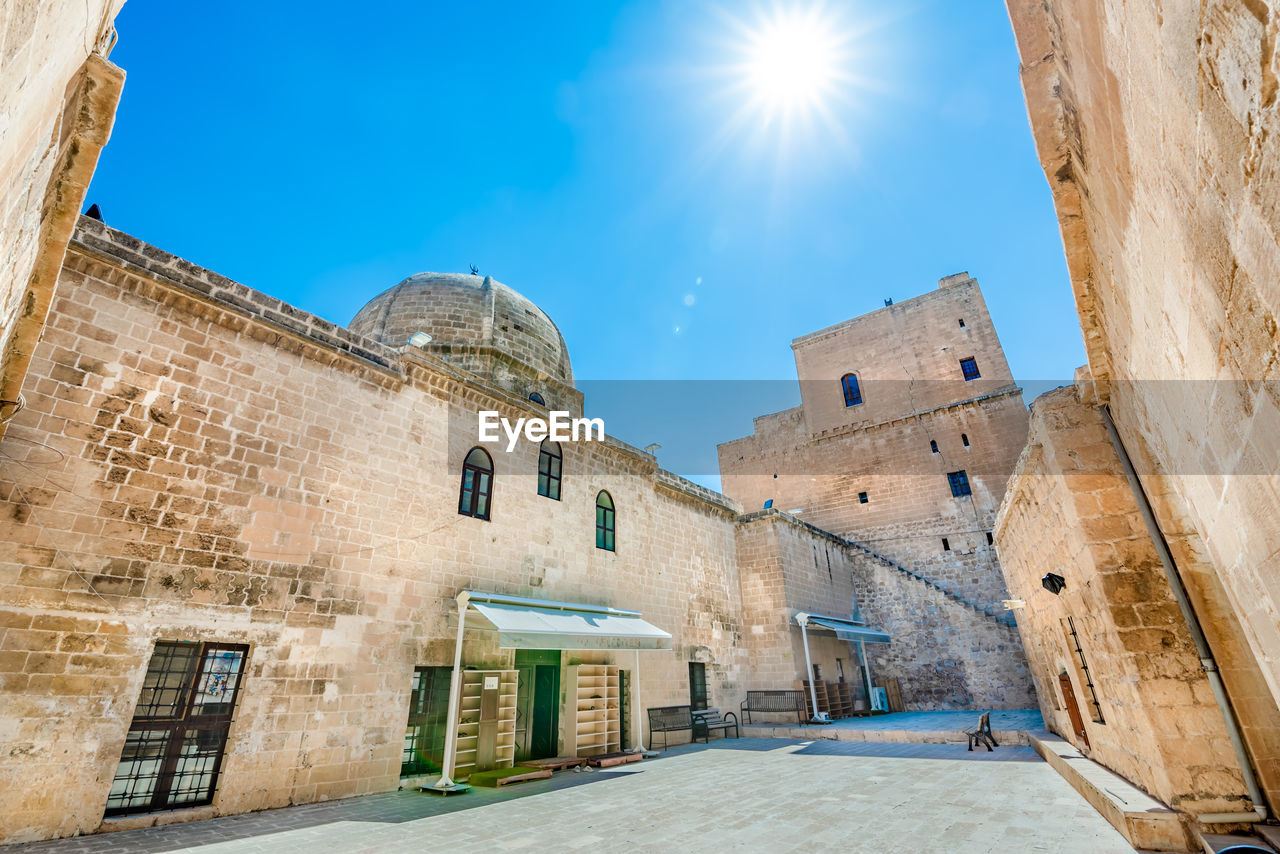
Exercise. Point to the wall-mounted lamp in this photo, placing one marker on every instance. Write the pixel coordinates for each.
(1053, 582)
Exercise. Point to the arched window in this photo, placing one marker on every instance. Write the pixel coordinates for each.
(477, 484)
(537, 398)
(852, 393)
(604, 521)
(964, 437)
(933, 445)
(549, 460)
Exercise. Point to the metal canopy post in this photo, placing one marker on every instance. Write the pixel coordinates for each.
(866, 675)
(803, 620)
(636, 734)
(446, 785)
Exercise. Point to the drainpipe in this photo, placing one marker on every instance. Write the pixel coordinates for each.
(1207, 662)
(446, 783)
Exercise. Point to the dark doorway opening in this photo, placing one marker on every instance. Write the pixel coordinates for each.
(697, 685)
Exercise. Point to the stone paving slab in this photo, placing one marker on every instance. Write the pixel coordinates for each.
(734, 795)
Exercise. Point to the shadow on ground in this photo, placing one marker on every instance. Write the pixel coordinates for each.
(410, 805)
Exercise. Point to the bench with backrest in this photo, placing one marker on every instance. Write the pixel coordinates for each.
(779, 702)
(665, 719)
(705, 720)
(983, 733)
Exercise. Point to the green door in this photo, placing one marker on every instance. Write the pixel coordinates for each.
(544, 738)
(537, 703)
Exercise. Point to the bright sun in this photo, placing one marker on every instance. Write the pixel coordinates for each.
(793, 62)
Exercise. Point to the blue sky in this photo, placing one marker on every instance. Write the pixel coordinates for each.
(597, 157)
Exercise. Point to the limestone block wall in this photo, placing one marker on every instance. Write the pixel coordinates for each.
(200, 461)
(1069, 510)
(57, 98)
(877, 472)
(906, 357)
(785, 567)
(1157, 128)
(893, 463)
(945, 654)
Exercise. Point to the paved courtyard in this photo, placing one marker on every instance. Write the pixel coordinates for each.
(737, 795)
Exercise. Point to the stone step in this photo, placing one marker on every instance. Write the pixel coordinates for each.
(1146, 823)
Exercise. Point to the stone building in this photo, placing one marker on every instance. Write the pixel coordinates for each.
(1152, 487)
(236, 535)
(58, 96)
(909, 426)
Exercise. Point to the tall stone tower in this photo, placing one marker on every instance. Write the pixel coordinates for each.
(909, 426)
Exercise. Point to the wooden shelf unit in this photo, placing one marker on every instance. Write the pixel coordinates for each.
(841, 699)
(826, 702)
(469, 721)
(592, 703)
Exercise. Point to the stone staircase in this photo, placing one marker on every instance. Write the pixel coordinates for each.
(993, 612)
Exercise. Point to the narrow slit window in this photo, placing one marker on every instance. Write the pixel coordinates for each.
(946, 544)
(852, 391)
(970, 369)
(604, 522)
(964, 439)
(933, 445)
(477, 485)
(990, 539)
(173, 752)
(550, 461)
(962, 323)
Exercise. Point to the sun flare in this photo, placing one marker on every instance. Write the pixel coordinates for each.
(793, 62)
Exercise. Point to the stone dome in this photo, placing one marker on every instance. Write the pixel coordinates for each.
(470, 320)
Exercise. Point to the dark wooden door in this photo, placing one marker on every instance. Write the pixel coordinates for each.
(697, 685)
(1073, 708)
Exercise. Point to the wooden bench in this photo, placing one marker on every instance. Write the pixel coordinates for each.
(705, 720)
(982, 735)
(665, 719)
(778, 702)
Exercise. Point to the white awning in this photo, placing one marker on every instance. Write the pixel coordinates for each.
(844, 629)
(540, 624)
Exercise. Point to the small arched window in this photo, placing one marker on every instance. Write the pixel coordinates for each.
(477, 484)
(537, 398)
(852, 393)
(933, 445)
(549, 460)
(964, 437)
(604, 521)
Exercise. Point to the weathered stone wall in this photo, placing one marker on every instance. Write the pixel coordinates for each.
(1070, 511)
(820, 458)
(1157, 128)
(58, 98)
(945, 653)
(906, 357)
(199, 461)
